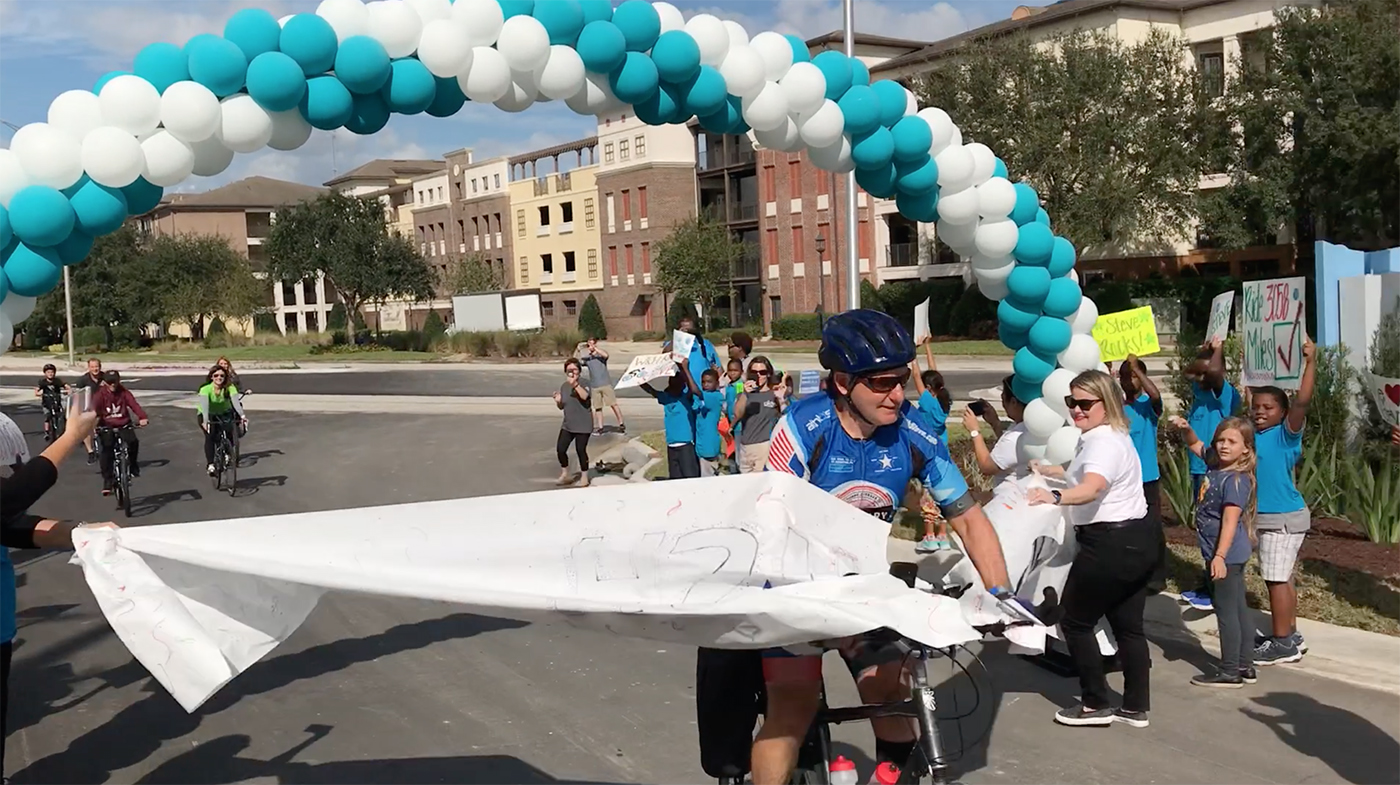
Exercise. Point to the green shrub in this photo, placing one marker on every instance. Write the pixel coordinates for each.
(720, 338)
(972, 309)
(219, 340)
(1329, 414)
(1373, 496)
(899, 298)
(89, 339)
(267, 323)
(512, 344)
(433, 327)
(648, 336)
(562, 342)
(590, 319)
(481, 344)
(1322, 477)
(336, 318)
(216, 327)
(1176, 479)
(797, 327)
(869, 296)
(680, 308)
(403, 341)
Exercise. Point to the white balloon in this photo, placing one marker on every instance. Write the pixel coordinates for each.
(12, 176)
(524, 42)
(956, 140)
(246, 127)
(1041, 420)
(992, 289)
(743, 72)
(284, 20)
(289, 130)
(169, 161)
(785, 137)
(50, 156)
(996, 198)
(993, 268)
(955, 235)
(76, 111)
(766, 110)
(942, 126)
(396, 25)
(562, 75)
(954, 170)
(776, 52)
(1055, 389)
(834, 158)
(738, 36)
(520, 95)
(211, 157)
(432, 10)
(595, 96)
(709, 32)
(823, 127)
(805, 88)
(190, 111)
(1030, 448)
(671, 17)
(347, 17)
(444, 49)
(1062, 445)
(1082, 354)
(911, 104)
(483, 20)
(489, 78)
(996, 238)
(959, 207)
(984, 162)
(113, 157)
(18, 307)
(1082, 321)
(131, 104)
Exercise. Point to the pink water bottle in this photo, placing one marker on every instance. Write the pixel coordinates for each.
(885, 774)
(843, 772)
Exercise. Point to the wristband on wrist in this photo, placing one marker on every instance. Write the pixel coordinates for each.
(974, 434)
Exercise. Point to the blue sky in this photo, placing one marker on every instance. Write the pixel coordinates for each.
(48, 46)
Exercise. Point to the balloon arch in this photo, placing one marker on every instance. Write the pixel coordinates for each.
(108, 153)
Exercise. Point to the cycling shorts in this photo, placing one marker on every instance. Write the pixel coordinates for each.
(803, 661)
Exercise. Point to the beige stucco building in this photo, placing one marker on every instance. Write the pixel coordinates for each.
(554, 228)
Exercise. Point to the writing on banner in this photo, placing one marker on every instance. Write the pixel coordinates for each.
(645, 368)
(681, 344)
(1220, 311)
(921, 330)
(1386, 393)
(809, 383)
(1271, 327)
(1127, 332)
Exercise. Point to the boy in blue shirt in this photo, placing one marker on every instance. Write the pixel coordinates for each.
(679, 403)
(1142, 403)
(710, 405)
(934, 404)
(1213, 399)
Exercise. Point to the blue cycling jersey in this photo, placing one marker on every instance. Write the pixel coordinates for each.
(871, 474)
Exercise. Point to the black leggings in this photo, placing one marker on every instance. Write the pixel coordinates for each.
(215, 425)
(108, 439)
(580, 442)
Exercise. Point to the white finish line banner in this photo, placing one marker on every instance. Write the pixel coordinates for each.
(199, 603)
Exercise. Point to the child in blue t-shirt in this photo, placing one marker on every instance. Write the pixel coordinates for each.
(709, 406)
(1213, 399)
(934, 404)
(1142, 404)
(679, 403)
(1225, 511)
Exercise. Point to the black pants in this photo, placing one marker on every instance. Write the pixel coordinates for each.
(1152, 491)
(211, 436)
(7, 650)
(1109, 579)
(1232, 618)
(108, 439)
(580, 442)
(682, 462)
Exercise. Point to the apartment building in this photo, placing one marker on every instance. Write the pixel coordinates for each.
(380, 174)
(480, 206)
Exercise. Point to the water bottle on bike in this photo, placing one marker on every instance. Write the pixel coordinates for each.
(843, 772)
(885, 774)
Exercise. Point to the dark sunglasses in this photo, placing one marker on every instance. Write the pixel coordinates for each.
(1080, 403)
(886, 383)
(759, 372)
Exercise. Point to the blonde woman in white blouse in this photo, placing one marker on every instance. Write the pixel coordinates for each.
(1119, 547)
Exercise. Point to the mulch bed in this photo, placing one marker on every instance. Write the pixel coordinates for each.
(1337, 542)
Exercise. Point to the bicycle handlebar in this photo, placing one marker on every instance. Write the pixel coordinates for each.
(1047, 613)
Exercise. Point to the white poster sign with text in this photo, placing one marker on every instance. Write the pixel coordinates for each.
(921, 330)
(1271, 325)
(1386, 393)
(645, 368)
(1220, 308)
(682, 343)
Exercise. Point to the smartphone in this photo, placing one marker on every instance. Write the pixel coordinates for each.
(82, 399)
(978, 408)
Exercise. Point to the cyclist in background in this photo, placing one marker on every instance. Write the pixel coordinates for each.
(114, 405)
(861, 443)
(227, 367)
(92, 380)
(218, 404)
(50, 392)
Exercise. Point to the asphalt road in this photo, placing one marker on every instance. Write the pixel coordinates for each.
(372, 690)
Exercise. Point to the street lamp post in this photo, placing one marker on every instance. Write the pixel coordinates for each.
(852, 225)
(821, 273)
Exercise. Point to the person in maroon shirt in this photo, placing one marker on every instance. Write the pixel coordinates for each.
(114, 405)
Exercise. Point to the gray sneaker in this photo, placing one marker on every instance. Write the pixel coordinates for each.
(1296, 638)
(1276, 651)
(1076, 716)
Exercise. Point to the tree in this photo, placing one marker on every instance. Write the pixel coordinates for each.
(1107, 132)
(473, 274)
(433, 327)
(1314, 108)
(202, 277)
(590, 319)
(681, 308)
(696, 260)
(869, 295)
(118, 283)
(345, 238)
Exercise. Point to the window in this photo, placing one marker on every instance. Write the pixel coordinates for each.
(524, 270)
(612, 261)
(475, 186)
(622, 150)
(626, 205)
(642, 201)
(588, 213)
(640, 145)
(461, 231)
(770, 191)
(497, 179)
(519, 223)
(313, 322)
(608, 153)
(547, 260)
(289, 293)
(1212, 68)
(567, 212)
(646, 257)
(544, 215)
(777, 304)
(569, 264)
(308, 291)
(456, 190)
(865, 231)
(476, 226)
(795, 179)
(548, 307)
(289, 320)
(440, 196)
(797, 254)
(612, 213)
(571, 307)
(592, 263)
(628, 252)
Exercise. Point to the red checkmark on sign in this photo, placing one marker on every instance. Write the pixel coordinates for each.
(1392, 391)
(1287, 358)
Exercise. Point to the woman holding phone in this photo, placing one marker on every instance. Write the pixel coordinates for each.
(758, 409)
(1000, 461)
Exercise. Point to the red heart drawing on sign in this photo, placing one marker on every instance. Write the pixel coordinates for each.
(1392, 391)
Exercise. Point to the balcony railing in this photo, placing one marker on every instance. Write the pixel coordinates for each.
(904, 254)
(743, 211)
(747, 266)
(710, 160)
(565, 182)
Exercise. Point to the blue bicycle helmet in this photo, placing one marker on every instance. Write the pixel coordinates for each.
(864, 341)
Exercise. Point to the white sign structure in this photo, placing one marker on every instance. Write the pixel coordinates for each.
(1220, 309)
(809, 382)
(681, 344)
(645, 368)
(1271, 324)
(921, 330)
(1386, 393)
(732, 562)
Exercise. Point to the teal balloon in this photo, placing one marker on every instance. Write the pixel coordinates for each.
(1042, 217)
(41, 216)
(448, 99)
(918, 207)
(878, 182)
(800, 52)
(142, 196)
(859, 73)
(327, 105)
(727, 120)
(7, 233)
(311, 41)
(705, 93)
(217, 63)
(74, 248)
(893, 101)
(97, 209)
(1061, 258)
(735, 113)
(639, 23)
(1063, 298)
(562, 19)
(105, 78)
(636, 79)
(1029, 285)
(1028, 366)
(662, 107)
(874, 150)
(596, 11)
(1025, 390)
(411, 87)
(1012, 339)
(254, 31)
(1049, 336)
(836, 67)
(861, 108)
(511, 8)
(369, 114)
(4, 282)
(33, 271)
(916, 177)
(912, 138)
(162, 65)
(1034, 243)
(999, 169)
(362, 64)
(677, 56)
(1027, 203)
(602, 47)
(1013, 317)
(276, 82)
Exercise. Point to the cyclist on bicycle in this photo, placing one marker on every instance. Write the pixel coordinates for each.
(227, 367)
(218, 404)
(859, 442)
(114, 405)
(49, 391)
(92, 381)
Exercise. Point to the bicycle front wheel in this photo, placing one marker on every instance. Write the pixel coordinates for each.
(124, 487)
(232, 466)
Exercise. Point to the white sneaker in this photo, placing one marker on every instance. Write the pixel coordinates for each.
(210, 470)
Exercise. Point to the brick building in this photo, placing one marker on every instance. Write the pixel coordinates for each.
(480, 206)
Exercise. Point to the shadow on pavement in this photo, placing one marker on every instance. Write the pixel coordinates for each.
(1351, 745)
(141, 728)
(247, 459)
(142, 506)
(252, 485)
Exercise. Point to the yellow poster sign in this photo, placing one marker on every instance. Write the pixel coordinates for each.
(1127, 332)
